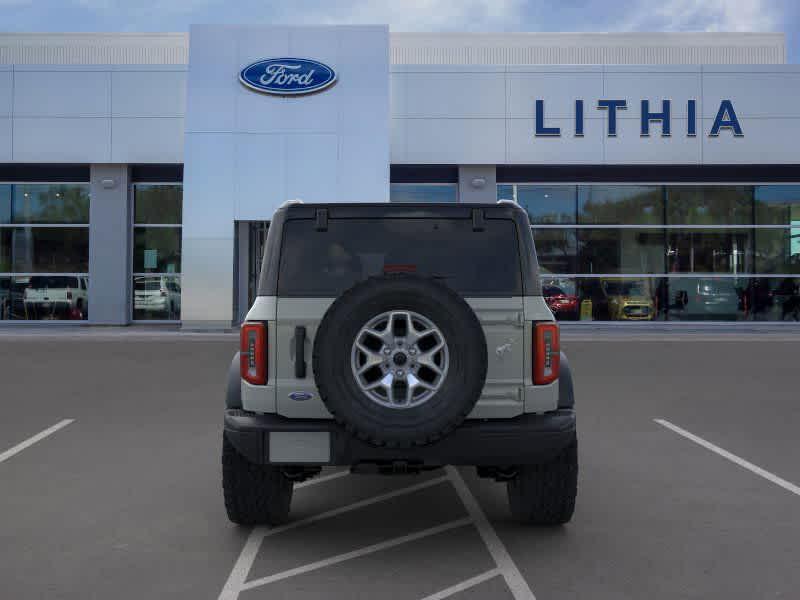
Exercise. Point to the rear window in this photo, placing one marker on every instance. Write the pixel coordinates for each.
(147, 285)
(57, 281)
(710, 287)
(326, 263)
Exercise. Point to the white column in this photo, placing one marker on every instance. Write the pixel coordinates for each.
(109, 245)
(477, 183)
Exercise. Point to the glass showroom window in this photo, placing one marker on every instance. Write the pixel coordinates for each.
(44, 251)
(621, 204)
(157, 252)
(709, 205)
(547, 205)
(679, 252)
(423, 192)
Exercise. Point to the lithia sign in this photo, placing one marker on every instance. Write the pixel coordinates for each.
(726, 119)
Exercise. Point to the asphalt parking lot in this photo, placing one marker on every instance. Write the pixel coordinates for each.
(110, 484)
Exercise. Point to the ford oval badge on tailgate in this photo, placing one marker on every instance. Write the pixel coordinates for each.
(301, 396)
(287, 76)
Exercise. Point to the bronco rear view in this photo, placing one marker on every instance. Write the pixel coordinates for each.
(394, 338)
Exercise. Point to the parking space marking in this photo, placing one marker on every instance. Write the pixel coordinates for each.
(371, 549)
(354, 506)
(731, 457)
(464, 585)
(321, 479)
(236, 580)
(516, 583)
(33, 439)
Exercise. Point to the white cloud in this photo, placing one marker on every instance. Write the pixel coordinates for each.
(705, 15)
(414, 15)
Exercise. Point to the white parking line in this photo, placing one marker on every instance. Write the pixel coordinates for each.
(321, 479)
(385, 545)
(354, 506)
(241, 569)
(33, 439)
(508, 569)
(464, 585)
(731, 457)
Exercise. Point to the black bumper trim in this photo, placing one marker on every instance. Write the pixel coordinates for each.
(527, 439)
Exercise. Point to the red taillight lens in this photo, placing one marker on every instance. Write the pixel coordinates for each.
(253, 353)
(546, 352)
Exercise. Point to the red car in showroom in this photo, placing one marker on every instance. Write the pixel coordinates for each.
(561, 299)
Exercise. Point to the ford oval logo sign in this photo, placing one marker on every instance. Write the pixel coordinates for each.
(287, 76)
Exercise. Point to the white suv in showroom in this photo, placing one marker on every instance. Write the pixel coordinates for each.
(56, 297)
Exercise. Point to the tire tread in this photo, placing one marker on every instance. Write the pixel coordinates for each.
(545, 494)
(254, 494)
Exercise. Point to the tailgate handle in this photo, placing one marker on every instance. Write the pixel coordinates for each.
(478, 222)
(300, 352)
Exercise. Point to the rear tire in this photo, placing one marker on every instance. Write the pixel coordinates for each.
(254, 494)
(545, 494)
(390, 426)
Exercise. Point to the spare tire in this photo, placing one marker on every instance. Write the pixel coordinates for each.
(400, 360)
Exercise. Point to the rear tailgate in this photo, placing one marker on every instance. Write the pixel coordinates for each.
(482, 263)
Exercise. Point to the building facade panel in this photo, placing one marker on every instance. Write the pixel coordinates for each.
(213, 157)
(557, 90)
(148, 93)
(60, 139)
(628, 147)
(6, 137)
(655, 86)
(6, 91)
(453, 141)
(312, 167)
(453, 95)
(371, 184)
(210, 96)
(77, 93)
(764, 141)
(522, 148)
(257, 153)
(147, 140)
(770, 94)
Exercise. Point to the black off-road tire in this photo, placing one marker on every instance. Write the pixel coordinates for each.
(545, 494)
(254, 494)
(385, 426)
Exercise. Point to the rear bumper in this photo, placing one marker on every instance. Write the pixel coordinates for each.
(527, 439)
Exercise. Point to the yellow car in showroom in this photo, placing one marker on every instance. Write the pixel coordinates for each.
(628, 299)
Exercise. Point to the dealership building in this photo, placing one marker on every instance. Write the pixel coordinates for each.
(139, 172)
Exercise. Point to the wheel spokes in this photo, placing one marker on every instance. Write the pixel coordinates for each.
(384, 382)
(399, 359)
(428, 358)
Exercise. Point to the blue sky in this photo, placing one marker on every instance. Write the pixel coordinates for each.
(414, 15)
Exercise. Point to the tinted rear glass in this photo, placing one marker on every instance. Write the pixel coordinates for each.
(326, 263)
(38, 281)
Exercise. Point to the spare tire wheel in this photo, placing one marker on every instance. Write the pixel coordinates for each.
(400, 360)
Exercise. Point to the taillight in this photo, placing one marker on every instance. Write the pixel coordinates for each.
(69, 294)
(546, 352)
(253, 353)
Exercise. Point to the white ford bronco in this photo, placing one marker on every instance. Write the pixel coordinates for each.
(394, 338)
